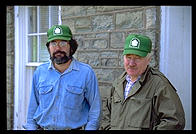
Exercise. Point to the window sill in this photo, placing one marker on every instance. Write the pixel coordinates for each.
(33, 64)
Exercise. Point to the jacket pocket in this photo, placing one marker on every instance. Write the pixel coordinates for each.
(140, 113)
(45, 92)
(74, 97)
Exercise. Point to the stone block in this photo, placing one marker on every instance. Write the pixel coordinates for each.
(70, 23)
(90, 10)
(127, 20)
(101, 9)
(89, 57)
(102, 35)
(109, 62)
(10, 46)
(108, 74)
(83, 24)
(151, 17)
(109, 54)
(100, 44)
(102, 23)
(70, 11)
(117, 40)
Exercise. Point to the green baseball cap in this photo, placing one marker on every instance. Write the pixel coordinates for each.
(59, 32)
(137, 44)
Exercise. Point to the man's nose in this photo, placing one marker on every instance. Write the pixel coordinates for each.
(132, 62)
(58, 46)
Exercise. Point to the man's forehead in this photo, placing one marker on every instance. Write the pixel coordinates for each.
(132, 55)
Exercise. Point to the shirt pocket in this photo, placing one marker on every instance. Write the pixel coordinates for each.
(140, 113)
(74, 97)
(46, 95)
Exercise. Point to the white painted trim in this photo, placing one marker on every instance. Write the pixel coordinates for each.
(49, 12)
(19, 66)
(164, 41)
(23, 70)
(16, 67)
(175, 54)
(38, 28)
(33, 34)
(25, 31)
(33, 64)
(59, 16)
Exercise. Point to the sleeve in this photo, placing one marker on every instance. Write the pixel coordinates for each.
(106, 109)
(93, 97)
(33, 104)
(169, 110)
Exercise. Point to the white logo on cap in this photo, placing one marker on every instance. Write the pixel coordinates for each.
(134, 43)
(58, 31)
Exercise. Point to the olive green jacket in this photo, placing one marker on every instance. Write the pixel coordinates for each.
(152, 103)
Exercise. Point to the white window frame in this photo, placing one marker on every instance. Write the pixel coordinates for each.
(23, 70)
(174, 36)
(30, 64)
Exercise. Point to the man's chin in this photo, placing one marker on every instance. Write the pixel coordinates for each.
(131, 73)
(61, 60)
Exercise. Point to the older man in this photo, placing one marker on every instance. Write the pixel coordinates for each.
(142, 97)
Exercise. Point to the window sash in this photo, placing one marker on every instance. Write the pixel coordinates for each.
(37, 52)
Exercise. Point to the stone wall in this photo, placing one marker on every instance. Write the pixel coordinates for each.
(101, 32)
(10, 66)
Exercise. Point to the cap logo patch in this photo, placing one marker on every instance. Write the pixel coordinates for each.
(58, 31)
(134, 43)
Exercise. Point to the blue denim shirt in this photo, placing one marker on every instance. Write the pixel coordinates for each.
(64, 100)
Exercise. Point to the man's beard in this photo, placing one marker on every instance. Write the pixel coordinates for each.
(60, 60)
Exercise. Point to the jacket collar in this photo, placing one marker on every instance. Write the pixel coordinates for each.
(119, 84)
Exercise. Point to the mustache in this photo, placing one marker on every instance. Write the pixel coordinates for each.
(60, 60)
(131, 67)
(62, 52)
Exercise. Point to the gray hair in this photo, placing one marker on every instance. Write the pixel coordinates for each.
(149, 55)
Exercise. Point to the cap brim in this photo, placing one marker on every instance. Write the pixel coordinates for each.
(59, 38)
(136, 52)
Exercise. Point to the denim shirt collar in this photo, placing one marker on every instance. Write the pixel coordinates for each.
(72, 66)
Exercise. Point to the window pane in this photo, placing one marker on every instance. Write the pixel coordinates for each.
(40, 18)
(32, 53)
(43, 19)
(32, 19)
(54, 15)
(43, 54)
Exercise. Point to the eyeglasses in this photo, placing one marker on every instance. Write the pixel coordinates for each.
(61, 43)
